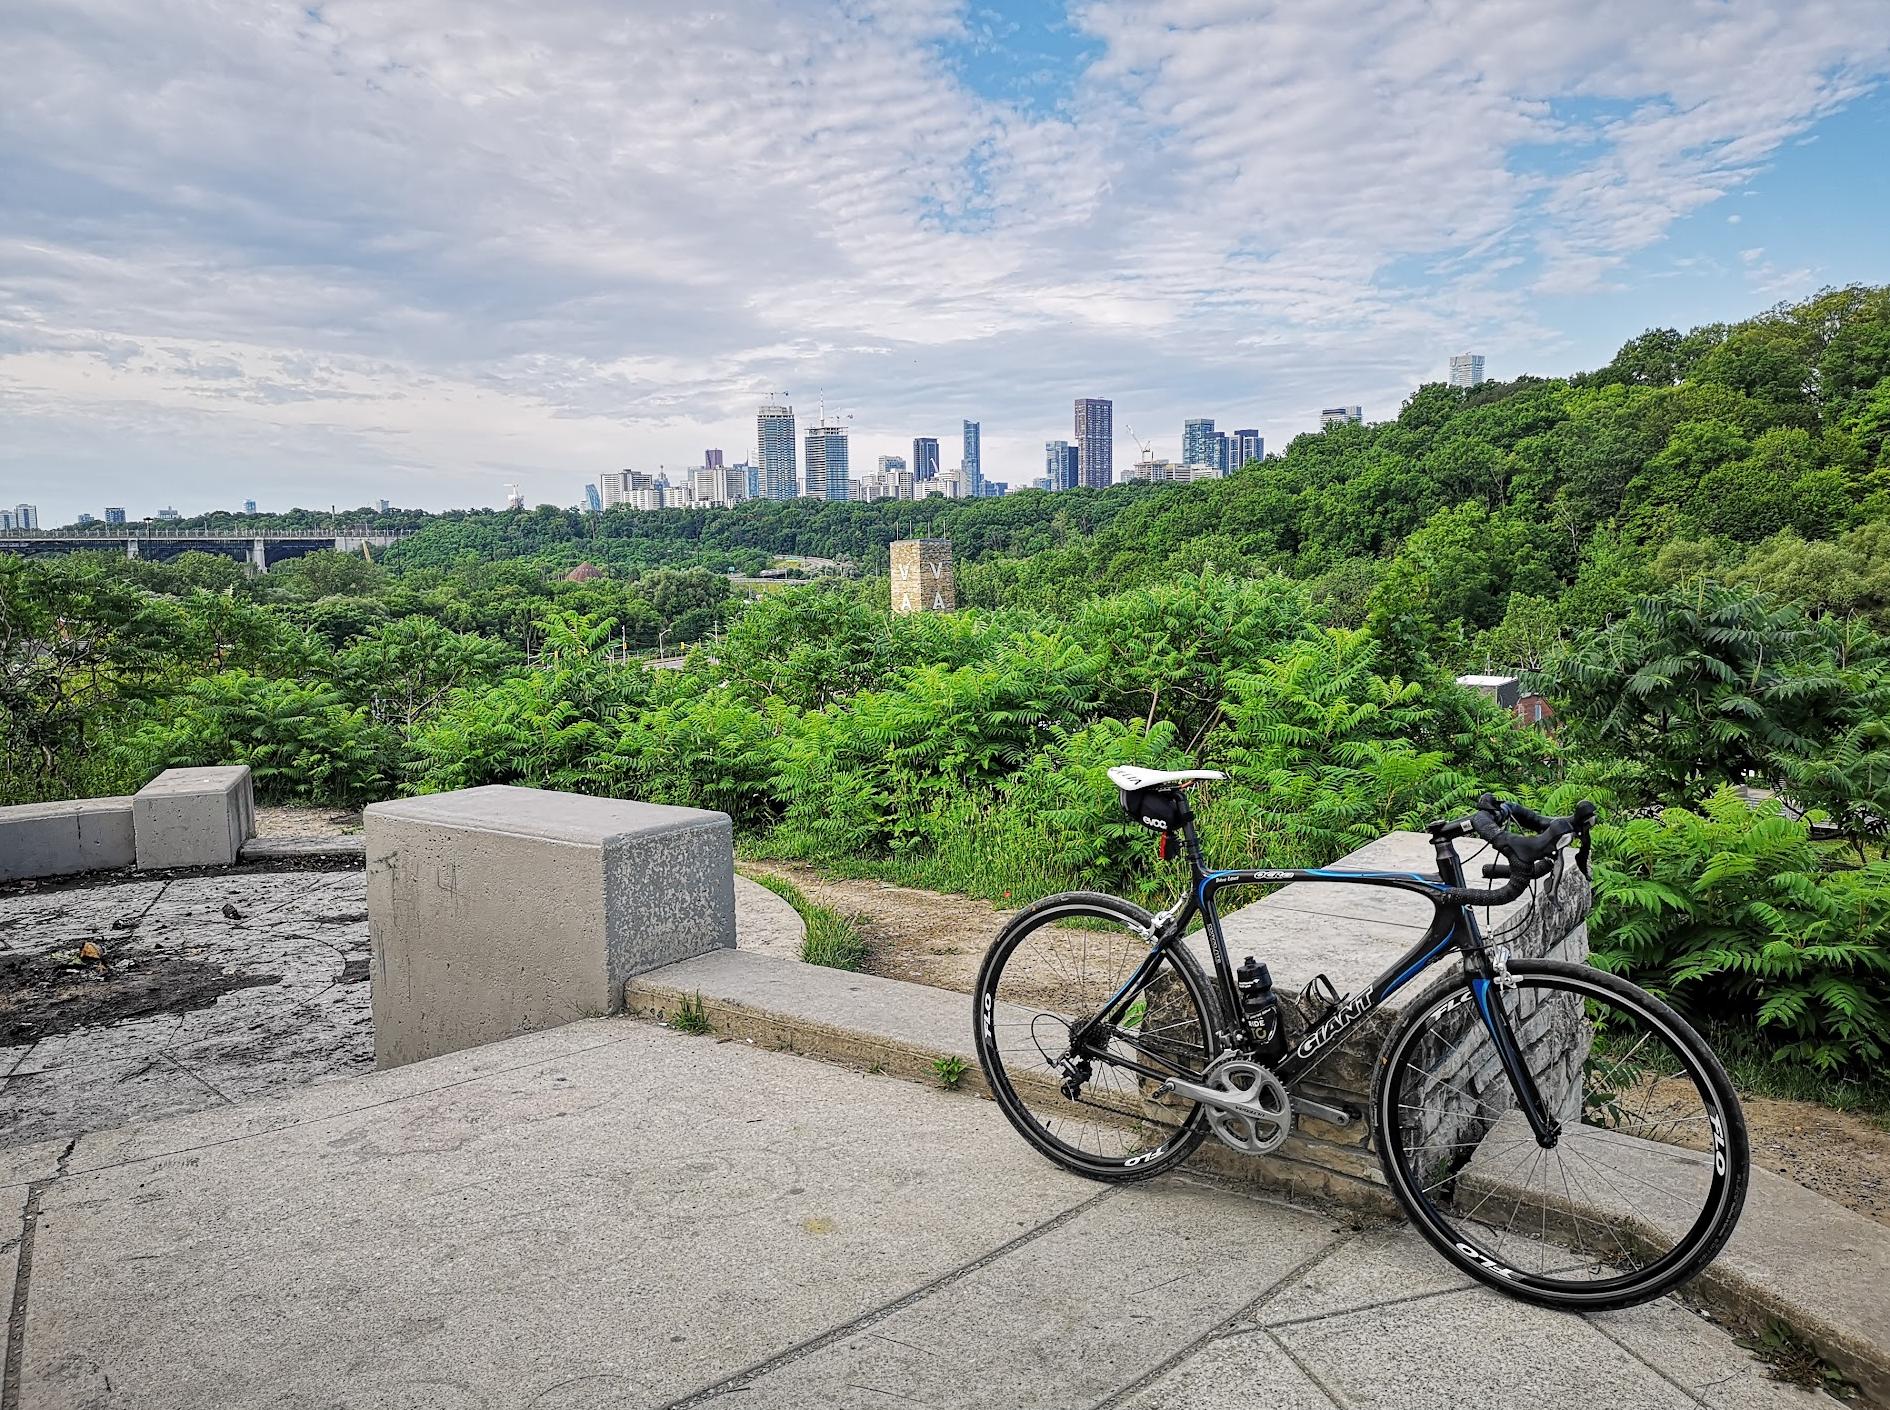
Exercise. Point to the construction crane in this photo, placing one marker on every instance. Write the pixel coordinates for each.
(1147, 447)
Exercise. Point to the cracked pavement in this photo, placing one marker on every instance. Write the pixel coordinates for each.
(613, 1214)
(298, 948)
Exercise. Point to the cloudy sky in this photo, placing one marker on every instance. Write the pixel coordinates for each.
(323, 254)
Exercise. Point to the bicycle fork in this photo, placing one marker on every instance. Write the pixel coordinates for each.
(1488, 989)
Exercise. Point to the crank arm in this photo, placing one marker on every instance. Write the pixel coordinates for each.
(1219, 1100)
(1319, 1111)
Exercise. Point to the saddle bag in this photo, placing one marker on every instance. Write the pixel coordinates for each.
(1158, 809)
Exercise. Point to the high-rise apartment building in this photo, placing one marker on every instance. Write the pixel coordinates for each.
(26, 516)
(827, 462)
(6, 518)
(249, 506)
(1197, 441)
(973, 463)
(1095, 442)
(1466, 370)
(114, 515)
(924, 458)
(381, 506)
(890, 463)
(712, 458)
(169, 515)
(751, 477)
(1060, 465)
(86, 518)
(718, 484)
(774, 450)
(1244, 445)
(1341, 416)
(622, 486)
(592, 500)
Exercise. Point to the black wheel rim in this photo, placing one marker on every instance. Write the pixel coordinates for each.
(1589, 1218)
(1049, 980)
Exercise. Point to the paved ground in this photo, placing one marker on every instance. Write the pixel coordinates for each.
(612, 1215)
(206, 990)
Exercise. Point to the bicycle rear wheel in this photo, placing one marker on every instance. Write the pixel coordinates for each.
(1634, 1190)
(1050, 971)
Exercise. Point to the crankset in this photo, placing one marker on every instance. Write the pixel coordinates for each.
(1247, 1106)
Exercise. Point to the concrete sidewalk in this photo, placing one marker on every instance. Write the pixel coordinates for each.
(612, 1214)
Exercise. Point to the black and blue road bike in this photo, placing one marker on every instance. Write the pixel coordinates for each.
(1551, 1129)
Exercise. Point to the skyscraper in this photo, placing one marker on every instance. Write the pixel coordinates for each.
(249, 506)
(712, 459)
(1197, 441)
(1341, 416)
(592, 501)
(774, 446)
(114, 515)
(827, 462)
(1466, 370)
(973, 462)
(1095, 442)
(924, 458)
(888, 463)
(26, 516)
(1060, 465)
(381, 506)
(1244, 445)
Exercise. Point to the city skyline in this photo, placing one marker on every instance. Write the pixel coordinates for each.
(421, 271)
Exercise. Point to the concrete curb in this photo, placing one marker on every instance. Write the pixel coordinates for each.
(899, 1029)
(1796, 1257)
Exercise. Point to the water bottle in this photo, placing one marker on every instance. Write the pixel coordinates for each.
(1262, 1007)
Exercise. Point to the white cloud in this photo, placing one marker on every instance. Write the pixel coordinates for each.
(422, 249)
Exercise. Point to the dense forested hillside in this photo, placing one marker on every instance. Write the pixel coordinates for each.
(1688, 549)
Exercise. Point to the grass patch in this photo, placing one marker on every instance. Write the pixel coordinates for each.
(832, 939)
(1795, 1360)
(1755, 1074)
(690, 1017)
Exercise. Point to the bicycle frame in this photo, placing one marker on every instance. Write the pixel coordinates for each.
(1452, 926)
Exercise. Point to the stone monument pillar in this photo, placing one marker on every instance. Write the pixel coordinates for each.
(922, 579)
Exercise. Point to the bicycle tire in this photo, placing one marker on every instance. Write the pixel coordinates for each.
(1141, 1165)
(1727, 1177)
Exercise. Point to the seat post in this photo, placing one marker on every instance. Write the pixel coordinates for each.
(1190, 840)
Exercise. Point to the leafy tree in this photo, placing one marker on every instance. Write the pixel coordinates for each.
(1705, 686)
(78, 647)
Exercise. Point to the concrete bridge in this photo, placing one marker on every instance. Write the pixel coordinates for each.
(259, 551)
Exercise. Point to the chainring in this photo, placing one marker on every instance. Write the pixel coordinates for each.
(1249, 1081)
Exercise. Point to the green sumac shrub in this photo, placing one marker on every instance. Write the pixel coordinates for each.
(303, 742)
(1738, 917)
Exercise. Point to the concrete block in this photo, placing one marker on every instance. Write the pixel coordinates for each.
(497, 911)
(57, 839)
(194, 817)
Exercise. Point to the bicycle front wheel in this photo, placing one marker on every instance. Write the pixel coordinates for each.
(1633, 1189)
(1085, 1094)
